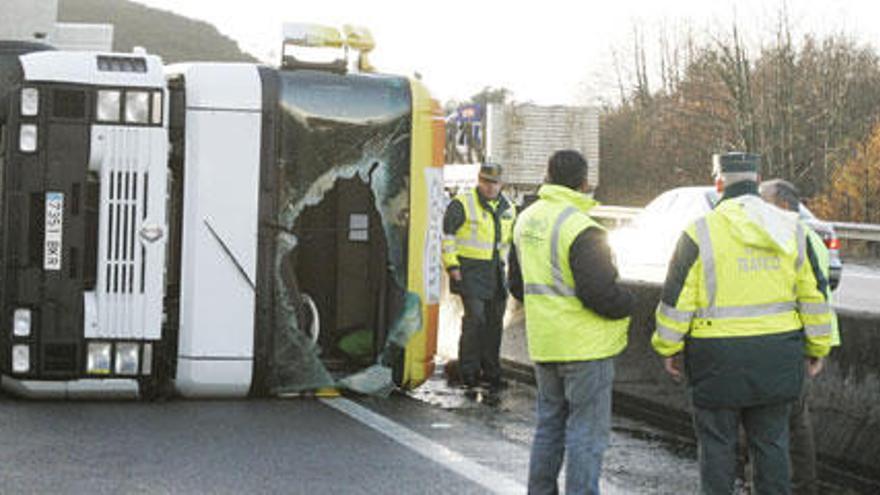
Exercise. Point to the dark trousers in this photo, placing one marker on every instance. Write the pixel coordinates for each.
(480, 341)
(803, 445)
(767, 432)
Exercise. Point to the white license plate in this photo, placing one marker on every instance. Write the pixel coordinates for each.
(54, 227)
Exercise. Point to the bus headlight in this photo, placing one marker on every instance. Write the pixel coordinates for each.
(27, 138)
(137, 107)
(21, 322)
(157, 107)
(98, 358)
(127, 358)
(108, 106)
(30, 102)
(21, 358)
(147, 363)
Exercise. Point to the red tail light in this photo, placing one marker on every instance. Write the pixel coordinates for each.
(833, 243)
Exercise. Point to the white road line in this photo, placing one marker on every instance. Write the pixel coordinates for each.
(489, 479)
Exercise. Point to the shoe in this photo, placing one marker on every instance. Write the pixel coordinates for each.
(498, 385)
(492, 399)
(469, 383)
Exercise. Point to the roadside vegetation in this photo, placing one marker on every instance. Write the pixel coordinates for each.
(809, 107)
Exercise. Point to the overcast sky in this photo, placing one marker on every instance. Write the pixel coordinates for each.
(549, 51)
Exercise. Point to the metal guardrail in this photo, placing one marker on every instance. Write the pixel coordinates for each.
(860, 231)
(615, 212)
(619, 215)
(845, 230)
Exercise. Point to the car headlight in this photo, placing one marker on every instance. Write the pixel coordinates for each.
(27, 138)
(21, 322)
(147, 363)
(98, 358)
(127, 358)
(137, 107)
(157, 107)
(108, 106)
(21, 358)
(30, 102)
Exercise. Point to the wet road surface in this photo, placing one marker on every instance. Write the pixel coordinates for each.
(639, 459)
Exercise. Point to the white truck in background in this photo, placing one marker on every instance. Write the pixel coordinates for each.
(521, 137)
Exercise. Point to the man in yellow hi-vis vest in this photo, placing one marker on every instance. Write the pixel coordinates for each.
(477, 228)
(576, 317)
(804, 480)
(744, 302)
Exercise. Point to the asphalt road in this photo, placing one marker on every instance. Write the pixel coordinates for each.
(436, 440)
(258, 446)
(859, 288)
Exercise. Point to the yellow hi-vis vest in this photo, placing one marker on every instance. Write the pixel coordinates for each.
(742, 286)
(475, 239)
(824, 259)
(559, 327)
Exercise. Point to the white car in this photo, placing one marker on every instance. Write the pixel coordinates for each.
(644, 248)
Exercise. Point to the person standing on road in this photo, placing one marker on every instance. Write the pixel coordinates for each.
(576, 317)
(784, 195)
(477, 228)
(744, 300)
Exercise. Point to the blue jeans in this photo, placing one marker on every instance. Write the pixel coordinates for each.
(574, 420)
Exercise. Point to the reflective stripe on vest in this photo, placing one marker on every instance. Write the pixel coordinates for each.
(559, 287)
(813, 308)
(818, 330)
(675, 314)
(449, 243)
(669, 334)
(749, 311)
(801, 246)
(708, 256)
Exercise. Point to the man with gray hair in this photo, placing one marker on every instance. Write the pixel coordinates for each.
(781, 193)
(802, 450)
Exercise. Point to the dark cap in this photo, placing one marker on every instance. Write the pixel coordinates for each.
(735, 163)
(491, 172)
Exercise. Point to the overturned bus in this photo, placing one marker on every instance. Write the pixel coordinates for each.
(217, 229)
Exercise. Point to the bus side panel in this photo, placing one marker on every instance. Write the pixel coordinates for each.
(426, 216)
(219, 252)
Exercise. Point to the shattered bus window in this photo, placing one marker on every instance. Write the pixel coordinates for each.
(344, 145)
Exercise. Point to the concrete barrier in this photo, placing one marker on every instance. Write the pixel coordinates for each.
(846, 396)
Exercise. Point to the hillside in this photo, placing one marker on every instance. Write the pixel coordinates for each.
(174, 37)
